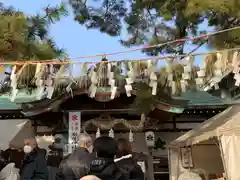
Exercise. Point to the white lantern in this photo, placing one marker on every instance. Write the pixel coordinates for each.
(130, 136)
(150, 138)
(98, 133)
(111, 133)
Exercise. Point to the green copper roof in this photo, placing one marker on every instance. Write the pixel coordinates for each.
(176, 110)
(202, 98)
(194, 98)
(5, 104)
(22, 97)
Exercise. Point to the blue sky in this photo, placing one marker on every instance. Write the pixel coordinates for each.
(77, 40)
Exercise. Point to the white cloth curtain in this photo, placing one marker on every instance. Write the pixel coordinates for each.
(173, 156)
(231, 149)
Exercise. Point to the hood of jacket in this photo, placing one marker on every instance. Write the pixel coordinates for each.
(80, 152)
(105, 169)
(80, 155)
(77, 164)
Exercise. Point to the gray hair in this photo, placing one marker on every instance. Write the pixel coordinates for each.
(90, 177)
(31, 141)
(84, 138)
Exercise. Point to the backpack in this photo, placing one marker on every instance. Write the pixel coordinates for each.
(131, 170)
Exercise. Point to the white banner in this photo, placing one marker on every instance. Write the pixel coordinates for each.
(74, 129)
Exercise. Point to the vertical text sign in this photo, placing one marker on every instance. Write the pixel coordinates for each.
(74, 129)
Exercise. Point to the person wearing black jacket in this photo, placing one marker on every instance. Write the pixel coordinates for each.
(125, 161)
(34, 164)
(76, 165)
(103, 166)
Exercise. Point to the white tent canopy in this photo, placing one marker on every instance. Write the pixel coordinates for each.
(14, 131)
(225, 126)
(224, 123)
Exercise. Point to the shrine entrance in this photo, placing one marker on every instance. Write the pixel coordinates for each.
(118, 118)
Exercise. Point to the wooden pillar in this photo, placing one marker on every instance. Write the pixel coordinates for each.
(174, 123)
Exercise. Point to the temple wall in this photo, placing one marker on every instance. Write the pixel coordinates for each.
(206, 160)
(167, 137)
(207, 157)
(139, 143)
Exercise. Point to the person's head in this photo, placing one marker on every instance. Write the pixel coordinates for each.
(123, 147)
(85, 141)
(30, 144)
(6, 156)
(90, 177)
(105, 147)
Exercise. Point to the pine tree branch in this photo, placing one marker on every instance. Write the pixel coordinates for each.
(196, 48)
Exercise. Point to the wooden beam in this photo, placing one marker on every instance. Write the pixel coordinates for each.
(174, 122)
(117, 131)
(186, 121)
(90, 111)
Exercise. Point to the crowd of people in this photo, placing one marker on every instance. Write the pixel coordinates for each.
(103, 159)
